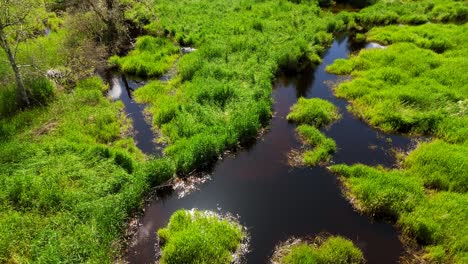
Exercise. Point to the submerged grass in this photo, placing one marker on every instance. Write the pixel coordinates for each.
(333, 249)
(200, 237)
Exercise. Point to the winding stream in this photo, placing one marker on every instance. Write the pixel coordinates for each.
(274, 200)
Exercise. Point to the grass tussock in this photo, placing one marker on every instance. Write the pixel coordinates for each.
(200, 237)
(333, 249)
(152, 57)
(312, 114)
(315, 112)
(322, 146)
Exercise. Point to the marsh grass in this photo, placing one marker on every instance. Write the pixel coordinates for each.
(322, 146)
(331, 249)
(152, 57)
(200, 237)
(69, 179)
(314, 112)
(221, 95)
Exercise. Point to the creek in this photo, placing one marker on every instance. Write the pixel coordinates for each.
(274, 200)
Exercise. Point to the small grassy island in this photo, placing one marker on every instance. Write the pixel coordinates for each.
(312, 114)
(321, 250)
(201, 237)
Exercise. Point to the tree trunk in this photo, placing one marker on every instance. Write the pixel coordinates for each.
(23, 96)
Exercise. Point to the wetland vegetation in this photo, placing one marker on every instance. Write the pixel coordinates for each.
(71, 176)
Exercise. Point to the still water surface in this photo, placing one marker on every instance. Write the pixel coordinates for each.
(274, 200)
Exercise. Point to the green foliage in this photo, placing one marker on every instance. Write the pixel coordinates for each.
(323, 147)
(199, 237)
(315, 112)
(152, 57)
(333, 250)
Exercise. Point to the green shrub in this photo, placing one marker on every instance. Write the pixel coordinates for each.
(199, 237)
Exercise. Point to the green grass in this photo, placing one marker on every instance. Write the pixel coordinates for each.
(322, 146)
(332, 250)
(221, 95)
(199, 237)
(435, 221)
(315, 112)
(69, 179)
(417, 85)
(408, 89)
(441, 165)
(414, 12)
(152, 57)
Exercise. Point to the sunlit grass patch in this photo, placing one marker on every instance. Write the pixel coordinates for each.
(322, 146)
(152, 57)
(321, 250)
(315, 112)
(200, 237)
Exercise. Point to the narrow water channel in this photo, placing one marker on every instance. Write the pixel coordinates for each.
(122, 89)
(276, 201)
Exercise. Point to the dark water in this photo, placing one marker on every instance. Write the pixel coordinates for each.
(275, 201)
(122, 89)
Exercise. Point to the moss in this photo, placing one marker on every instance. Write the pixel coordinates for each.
(200, 237)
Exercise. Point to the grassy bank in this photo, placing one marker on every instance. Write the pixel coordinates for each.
(321, 250)
(69, 177)
(417, 85)
(200, 237)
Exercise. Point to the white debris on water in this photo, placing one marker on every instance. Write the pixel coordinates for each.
(375, 45)
(187, 50)
(188, 185)
(283, 249)
(116, 89)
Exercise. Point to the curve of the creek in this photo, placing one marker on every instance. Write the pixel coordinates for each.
(272, 199)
